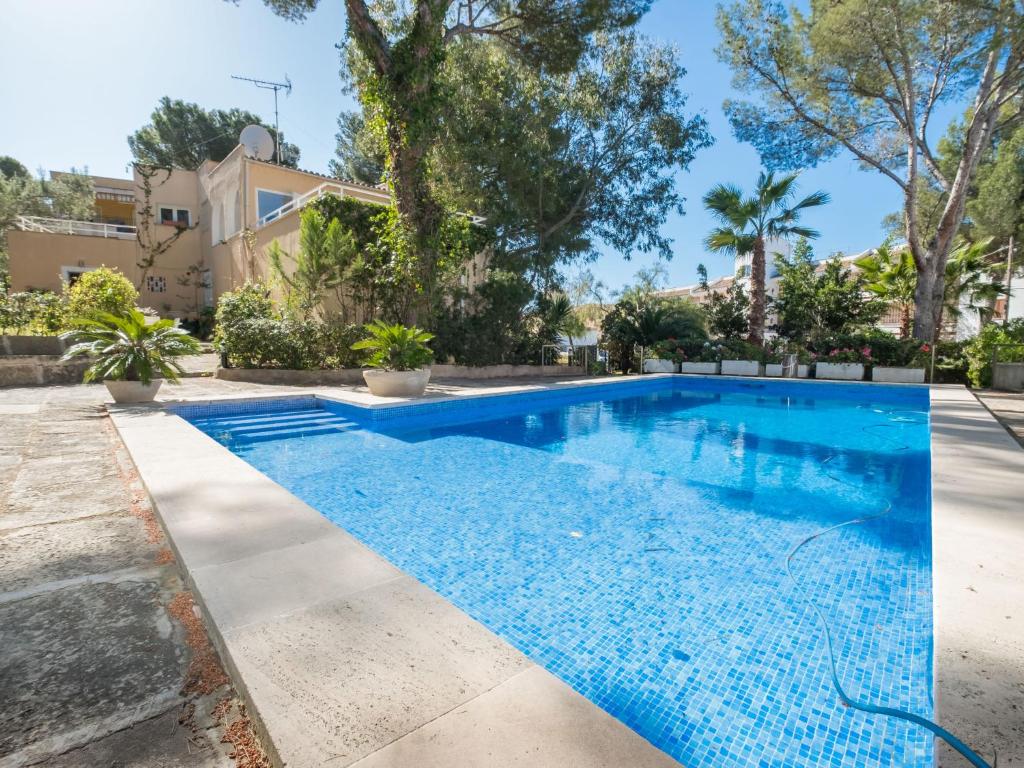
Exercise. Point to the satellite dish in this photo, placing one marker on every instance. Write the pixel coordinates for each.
(257, 142)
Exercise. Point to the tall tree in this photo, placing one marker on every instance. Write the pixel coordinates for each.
(867, 76)
(184, 135)
(358, 155)
(558, 162)
(747, 223)
(400, 56)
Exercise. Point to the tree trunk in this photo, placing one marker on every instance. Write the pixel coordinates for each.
(929, 297)
(420, 215)
(755, 331)
(905, 316)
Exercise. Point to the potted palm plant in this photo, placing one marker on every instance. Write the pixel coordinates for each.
(129, 355)
(399, 359)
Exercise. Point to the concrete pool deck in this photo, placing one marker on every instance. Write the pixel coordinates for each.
(345, 660)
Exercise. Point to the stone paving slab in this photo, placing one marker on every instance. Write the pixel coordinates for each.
(37, 554)
(64, 675)
(530, 719)
(978, 550)
(92, 665)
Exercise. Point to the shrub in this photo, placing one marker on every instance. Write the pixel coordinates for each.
(127, 348)
(979, 349)
(253, 334)
(739, 349)
(33, 312)
(395, 347)
(101, 291)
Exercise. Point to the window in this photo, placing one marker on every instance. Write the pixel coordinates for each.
(156, 283)
(175, 217)
(268, 201)
(70, 275)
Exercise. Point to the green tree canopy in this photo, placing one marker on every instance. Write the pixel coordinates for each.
(184, 135)
(358, 155)
(821, 300)
(558, 162)
(867, 77)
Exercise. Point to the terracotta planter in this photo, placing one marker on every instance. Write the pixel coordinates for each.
(133, 391)
(397, 383)
(839, 371)
(894, 375)
(741, 368)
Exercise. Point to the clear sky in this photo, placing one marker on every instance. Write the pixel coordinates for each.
(80, 76)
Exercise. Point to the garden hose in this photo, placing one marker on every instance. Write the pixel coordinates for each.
(970, 755)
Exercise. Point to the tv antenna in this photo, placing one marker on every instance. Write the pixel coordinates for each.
(269, 85)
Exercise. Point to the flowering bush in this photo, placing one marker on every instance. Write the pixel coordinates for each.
(847, 355)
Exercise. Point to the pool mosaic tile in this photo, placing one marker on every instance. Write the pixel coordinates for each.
(631, 539)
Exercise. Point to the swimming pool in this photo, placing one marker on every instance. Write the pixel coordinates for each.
(632, 539)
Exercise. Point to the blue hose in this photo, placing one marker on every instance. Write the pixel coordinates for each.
(970, 755)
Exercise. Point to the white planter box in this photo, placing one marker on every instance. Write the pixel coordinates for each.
(659, 366)
(840, 371)
(741, 368)
(775, 369)
(897, 375)
(707, 369)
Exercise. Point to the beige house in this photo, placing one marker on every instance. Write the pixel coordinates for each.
(230, 212)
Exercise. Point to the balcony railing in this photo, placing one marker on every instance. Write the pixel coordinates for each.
(70, 227)
(330, 188)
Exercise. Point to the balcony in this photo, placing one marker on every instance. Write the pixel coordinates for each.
(70, 227)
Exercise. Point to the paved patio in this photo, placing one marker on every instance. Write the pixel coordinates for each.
(1008, 407)
(104, 661)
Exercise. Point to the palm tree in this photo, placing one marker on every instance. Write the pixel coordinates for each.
(969, 280)
(747, 223)
(890, 274)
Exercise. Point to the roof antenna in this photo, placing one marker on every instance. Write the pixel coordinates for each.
(286, 86)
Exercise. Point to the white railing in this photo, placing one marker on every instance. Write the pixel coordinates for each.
(70, 227)
(329, 188)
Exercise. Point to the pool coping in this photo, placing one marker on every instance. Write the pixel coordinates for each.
(272, 591)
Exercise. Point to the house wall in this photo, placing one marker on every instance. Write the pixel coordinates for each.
(38, 259)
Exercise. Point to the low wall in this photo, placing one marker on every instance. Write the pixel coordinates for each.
(1008, 376)
(31, 345)
(355, 375)
(38, 370)
(291, 377)
(503, 371)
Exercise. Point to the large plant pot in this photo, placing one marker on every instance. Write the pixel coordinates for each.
(133, 391)
(741, 368)
(705, 369)
(894, 375)
(652, 365)
(397, 383)
(839, 371)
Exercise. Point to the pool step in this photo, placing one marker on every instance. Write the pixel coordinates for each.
(280, 424)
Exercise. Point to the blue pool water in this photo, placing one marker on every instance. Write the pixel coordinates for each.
(632, 539)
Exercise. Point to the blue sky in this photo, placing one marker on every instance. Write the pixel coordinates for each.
(81, 76)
